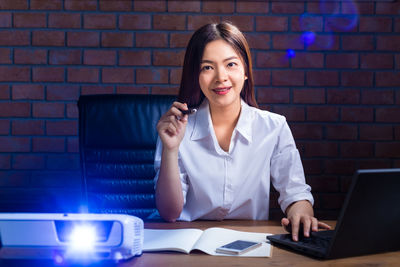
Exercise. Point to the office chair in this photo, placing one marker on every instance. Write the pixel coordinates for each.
(117, 140)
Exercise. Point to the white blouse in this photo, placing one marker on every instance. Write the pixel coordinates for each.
(221, 185)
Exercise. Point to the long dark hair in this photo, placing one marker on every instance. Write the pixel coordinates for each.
(189, 91)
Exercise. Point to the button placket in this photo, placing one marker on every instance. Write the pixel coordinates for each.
(228, 186)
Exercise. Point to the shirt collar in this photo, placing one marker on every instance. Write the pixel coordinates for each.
(243, 125)
(203, 124)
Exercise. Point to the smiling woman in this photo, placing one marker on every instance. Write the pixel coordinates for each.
(190, 91)
(221, 73)
(218, 163)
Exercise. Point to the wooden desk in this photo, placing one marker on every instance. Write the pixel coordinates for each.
(279, 257)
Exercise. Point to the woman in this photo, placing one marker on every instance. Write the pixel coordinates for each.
(218, 163)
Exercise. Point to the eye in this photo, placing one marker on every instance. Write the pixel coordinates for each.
(232, 64)
(206, 67)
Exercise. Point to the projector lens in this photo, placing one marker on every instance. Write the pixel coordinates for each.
(83, 237)
(72, 231)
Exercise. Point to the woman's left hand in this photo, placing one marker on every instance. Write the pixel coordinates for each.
(301, 214)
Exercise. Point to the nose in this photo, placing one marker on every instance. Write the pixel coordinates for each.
(221, 74)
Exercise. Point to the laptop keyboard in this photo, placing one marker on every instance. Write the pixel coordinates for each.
(317, 240)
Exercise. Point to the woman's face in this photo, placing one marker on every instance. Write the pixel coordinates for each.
(222, 74)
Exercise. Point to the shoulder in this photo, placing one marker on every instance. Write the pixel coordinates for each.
(267, 118)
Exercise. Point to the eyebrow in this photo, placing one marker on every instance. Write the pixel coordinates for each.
(209, 61)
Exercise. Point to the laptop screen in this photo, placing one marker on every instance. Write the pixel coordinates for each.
(370, 217)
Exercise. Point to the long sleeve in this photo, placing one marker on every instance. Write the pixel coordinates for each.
(287, 174)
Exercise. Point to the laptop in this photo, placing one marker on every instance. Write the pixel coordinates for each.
(369, 221)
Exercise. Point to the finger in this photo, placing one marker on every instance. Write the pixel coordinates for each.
(314, 224)
(179, 123)
(182, 118)
(172, 119)
(172, 129)
(177, 112)
(286, 224)
(180, 106)
(169, 122)
(295, 222)
(166, 125)
(322, 225)
(164, 122)
(306, 227)
(185, 118)
(174, 110)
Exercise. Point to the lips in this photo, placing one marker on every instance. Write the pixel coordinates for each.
(222, 90)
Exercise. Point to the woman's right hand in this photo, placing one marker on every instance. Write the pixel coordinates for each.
(172, 125)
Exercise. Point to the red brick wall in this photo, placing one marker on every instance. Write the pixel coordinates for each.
(340, 92)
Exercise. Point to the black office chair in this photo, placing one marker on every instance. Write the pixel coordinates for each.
(117, 142)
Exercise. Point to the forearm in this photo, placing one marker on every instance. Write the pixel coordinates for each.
(169, 196)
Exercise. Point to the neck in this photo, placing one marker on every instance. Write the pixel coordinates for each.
(225, 116)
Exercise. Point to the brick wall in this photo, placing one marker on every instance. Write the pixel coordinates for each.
(331, 67)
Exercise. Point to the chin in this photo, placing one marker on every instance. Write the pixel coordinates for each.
(228, 101)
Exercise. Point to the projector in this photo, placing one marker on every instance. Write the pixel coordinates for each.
(71, 236)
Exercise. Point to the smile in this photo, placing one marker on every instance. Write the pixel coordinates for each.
(221, 90)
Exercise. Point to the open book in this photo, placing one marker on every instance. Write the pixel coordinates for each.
(186, 240)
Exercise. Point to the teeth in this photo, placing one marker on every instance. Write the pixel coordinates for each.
(220, 90)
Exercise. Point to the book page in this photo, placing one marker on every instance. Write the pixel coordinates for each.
(213, 238)
(181, 240)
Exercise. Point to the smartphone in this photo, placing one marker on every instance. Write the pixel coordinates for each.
(238, 247)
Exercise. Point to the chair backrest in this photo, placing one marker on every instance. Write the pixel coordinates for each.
(117, 143)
